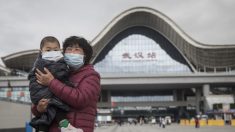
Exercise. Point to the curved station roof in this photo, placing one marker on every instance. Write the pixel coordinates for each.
(21, 60)
(200, 57)
(4, 70)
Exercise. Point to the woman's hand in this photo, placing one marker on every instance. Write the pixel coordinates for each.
(42, 105)
(44, 79)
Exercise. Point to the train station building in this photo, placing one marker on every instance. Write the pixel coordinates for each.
(149, 66)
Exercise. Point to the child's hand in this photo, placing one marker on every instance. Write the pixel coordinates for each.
(42, 105)
(44, 79)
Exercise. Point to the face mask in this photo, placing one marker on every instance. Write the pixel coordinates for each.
(52, 55)
(74, 60)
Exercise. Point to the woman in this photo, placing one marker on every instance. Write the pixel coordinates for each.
(83, 97)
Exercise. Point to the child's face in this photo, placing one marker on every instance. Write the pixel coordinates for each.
(50, 46)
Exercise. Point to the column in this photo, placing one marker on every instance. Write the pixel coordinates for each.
(175, 95)
(109, 96)
(183, 95)
(198, 99)
(206, 92)
(206, 89)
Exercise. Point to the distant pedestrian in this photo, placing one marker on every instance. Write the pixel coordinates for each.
(197, 124)
(141, 121)
(160, 122)
(163, 123)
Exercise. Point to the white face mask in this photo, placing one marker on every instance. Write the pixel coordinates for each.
(52, 55)
(74, 60)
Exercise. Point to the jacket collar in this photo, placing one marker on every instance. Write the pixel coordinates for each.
(83, 68)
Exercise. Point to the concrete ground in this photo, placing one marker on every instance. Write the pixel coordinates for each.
(169, 128)
(13, 115)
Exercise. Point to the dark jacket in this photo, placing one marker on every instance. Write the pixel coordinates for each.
(59, 70)
(82, 99)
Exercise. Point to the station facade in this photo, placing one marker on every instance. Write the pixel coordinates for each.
(150, 67)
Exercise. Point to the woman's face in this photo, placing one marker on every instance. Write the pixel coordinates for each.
(74, 50)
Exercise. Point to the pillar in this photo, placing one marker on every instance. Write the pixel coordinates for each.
(206, 89)
(183, 95)
(198, 99)
(206, 92)
(175, 95)
(109, 96)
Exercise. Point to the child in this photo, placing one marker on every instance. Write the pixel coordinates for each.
(50, 57)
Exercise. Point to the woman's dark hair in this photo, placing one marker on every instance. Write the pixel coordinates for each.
(82, 43)
(48, 39)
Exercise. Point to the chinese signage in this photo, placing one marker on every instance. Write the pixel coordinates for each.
(141, 56)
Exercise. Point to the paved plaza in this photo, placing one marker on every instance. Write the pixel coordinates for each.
(15, 115)
(169, 128)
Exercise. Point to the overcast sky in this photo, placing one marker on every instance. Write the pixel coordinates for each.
(23, 23)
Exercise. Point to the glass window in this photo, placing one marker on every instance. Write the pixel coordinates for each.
(141, 98)
(139, 54)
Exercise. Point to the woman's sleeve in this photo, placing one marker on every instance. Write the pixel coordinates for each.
(85, 93)
(35, 111)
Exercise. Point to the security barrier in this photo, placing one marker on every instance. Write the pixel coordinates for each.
(233, 122)
(220, 123)
(204, 122)
(192, 122)
(187, 122)
(211, 123)
(182, 122)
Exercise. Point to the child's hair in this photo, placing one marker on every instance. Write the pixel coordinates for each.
(49, 39)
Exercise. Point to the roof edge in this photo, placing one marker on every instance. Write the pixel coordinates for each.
(157, 13)
(5, 69)
(17, 54)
